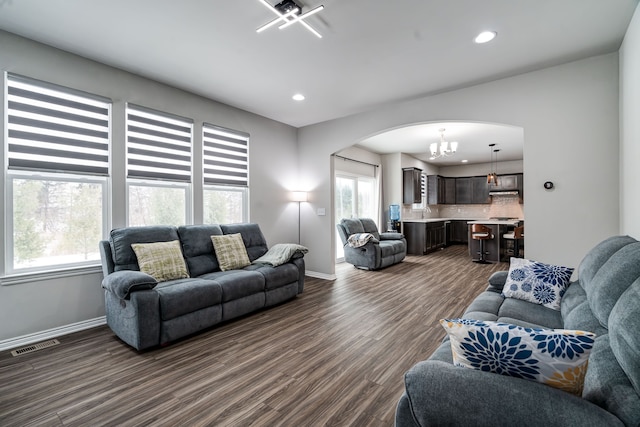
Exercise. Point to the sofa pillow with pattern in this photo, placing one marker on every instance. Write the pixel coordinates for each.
(537, 282)
(230, 251)
(555, 357)
(161, 260)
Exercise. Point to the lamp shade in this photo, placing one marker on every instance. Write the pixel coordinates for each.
(299, 196)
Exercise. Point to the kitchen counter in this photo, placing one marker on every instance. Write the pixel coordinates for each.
(513, 222)
(425, 220)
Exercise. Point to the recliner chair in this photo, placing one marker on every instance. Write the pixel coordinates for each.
(383, 250)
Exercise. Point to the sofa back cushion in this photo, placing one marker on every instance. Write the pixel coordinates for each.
(352, 226)
(624, 327)
(198, 249)
(612, 280)
(370, 226)
(120, 239)
(597, 256)
(252, 237)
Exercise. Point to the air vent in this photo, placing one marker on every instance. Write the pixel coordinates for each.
(34, 347)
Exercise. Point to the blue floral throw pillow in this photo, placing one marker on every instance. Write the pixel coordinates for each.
(536, 282)
(555, 357)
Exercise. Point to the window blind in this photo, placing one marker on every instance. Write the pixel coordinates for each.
(52, 128)
(158, 145)
(226, 156)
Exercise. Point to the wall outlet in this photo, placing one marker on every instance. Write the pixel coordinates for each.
(321, 212)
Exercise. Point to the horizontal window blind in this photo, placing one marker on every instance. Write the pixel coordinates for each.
(52, 128)
(226, 156)
(158, 145)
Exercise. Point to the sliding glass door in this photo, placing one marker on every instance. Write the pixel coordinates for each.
(355, 198)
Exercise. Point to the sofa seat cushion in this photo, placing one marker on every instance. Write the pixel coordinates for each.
(237, 284)
(391, 247)
(182, 296)
(485, 306)
(531, 313)
(276, 277)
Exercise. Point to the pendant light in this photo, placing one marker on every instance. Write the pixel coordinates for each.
(492, 177)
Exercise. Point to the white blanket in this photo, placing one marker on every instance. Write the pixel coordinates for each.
(281, 253)
(359, 239)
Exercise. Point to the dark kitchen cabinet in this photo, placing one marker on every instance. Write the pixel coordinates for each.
(480, 190)
(441, 190)
(449, 191)
(423, 238)
(464, 191)
(412, 186)
(457, 232)
(436, 236)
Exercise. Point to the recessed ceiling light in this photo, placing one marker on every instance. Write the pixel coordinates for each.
(485, 36)
(464, 161)
(298, 97)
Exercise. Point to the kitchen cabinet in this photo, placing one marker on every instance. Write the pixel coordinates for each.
(423, 238)
(480, 190)
(457, 232)
(441, 190)
(464, 191)
(412, 186)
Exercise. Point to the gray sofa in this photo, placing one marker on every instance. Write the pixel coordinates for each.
(145, 313)
(383, 250)
(605, 300)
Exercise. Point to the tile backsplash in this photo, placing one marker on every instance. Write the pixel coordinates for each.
(501, 206)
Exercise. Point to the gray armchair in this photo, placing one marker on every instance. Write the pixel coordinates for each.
(383, 250)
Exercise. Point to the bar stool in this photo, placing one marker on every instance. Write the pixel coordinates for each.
(481, 232)
(517, 235)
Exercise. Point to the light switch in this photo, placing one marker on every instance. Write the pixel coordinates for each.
(321, 212)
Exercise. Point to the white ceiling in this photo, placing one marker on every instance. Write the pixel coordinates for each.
(372, 52)
(473, 142)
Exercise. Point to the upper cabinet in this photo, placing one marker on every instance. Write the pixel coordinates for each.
(469, 190)
(441, 190)
(412, 186)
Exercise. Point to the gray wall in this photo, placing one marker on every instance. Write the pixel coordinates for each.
(40, 305)
(569, 114)
(630, 128)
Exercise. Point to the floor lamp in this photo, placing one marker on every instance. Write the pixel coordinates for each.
(299, 196)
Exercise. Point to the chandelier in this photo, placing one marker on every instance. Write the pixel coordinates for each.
(288, 12)
(444, 149)
(492, 176)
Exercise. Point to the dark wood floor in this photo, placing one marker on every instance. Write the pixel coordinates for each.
(335, 356)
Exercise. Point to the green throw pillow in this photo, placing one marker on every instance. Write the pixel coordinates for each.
(230, 251)
(161, 260)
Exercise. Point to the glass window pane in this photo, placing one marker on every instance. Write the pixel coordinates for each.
(156, 205)
(366, 199)
(224, 206)
(56, 222)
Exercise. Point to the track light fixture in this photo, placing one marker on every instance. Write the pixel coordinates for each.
(288, 12)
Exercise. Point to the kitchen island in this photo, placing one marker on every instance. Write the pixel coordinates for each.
(496, 246)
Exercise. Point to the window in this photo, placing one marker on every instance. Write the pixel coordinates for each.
(355, 198)
(57, 175)
(226, 175)
(158, 167)
(423, 193)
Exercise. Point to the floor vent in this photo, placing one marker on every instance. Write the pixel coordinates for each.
(34, 347)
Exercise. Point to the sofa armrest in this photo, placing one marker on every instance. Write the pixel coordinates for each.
(439, 393)
(122, 283)
(497, 281)
(391, 236)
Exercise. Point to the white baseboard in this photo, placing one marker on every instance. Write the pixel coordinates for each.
(12, 343)
(320, 275)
